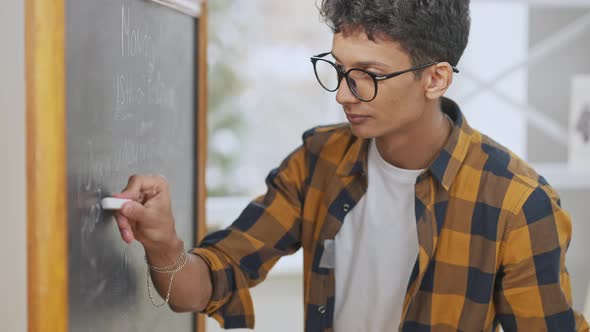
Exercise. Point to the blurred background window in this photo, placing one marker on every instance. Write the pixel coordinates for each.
(515, 85)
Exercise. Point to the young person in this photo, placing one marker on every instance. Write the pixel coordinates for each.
(408, 218)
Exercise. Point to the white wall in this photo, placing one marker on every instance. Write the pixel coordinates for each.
(12, 168)
(492, 51)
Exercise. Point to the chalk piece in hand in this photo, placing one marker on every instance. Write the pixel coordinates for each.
(111, 203)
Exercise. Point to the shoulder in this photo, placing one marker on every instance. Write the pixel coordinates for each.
(326, 131)
(330, 137)
(503, 168)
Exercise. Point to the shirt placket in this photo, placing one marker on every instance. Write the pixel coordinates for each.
(345, 200)
(427, 230)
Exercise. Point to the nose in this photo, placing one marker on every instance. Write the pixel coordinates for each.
(344, 95)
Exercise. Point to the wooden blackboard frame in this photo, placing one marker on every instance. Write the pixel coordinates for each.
(47, 240)
(201, 139)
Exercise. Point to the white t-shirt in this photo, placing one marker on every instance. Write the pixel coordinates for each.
(375, 250)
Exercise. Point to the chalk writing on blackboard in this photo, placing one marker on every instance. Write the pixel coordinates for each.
(124, 159)
(135, 40)
(149, 90)
(138, 45)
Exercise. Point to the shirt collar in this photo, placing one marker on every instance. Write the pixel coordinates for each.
(355, 159)
(445, 166)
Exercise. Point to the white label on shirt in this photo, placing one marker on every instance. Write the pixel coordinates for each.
(328, 256)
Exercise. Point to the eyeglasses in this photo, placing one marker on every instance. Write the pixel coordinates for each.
(362, 83)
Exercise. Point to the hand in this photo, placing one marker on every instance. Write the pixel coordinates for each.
(148, 217)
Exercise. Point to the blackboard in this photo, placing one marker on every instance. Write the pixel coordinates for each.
(131, 96)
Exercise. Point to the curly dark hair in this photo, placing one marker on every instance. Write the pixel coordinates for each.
(429, 30)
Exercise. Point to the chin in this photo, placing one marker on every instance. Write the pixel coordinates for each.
(362, 132)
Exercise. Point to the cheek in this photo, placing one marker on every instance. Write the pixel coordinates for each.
(395, 90)
(397, 105)
(389, 103)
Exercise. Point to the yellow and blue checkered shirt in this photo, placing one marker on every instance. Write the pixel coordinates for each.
(491, 231)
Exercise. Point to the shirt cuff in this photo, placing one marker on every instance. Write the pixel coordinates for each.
(230, 304)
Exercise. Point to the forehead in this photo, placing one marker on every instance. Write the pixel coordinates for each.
(356, 46)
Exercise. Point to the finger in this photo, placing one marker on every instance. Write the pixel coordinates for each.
(134, 211)
(126, 194)
(133, 188)
(138, 197)
(127, 235)
(125, 228)
(140, 186)
(122, 221)
(161, 199)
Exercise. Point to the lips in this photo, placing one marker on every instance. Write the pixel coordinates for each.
(356, 118)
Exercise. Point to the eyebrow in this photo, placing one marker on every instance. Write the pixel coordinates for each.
(363, 63)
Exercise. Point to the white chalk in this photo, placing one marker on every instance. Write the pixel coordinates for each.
(112, 203)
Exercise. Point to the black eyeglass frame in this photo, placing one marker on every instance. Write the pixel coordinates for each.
(376, 78)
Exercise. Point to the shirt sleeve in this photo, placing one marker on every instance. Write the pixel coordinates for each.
(240, 256)
(533, 291)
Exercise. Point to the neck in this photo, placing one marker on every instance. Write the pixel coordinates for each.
(417, 145)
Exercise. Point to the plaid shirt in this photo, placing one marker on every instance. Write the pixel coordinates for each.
(491, 232)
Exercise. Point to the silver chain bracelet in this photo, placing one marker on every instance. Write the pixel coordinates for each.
(170, 269)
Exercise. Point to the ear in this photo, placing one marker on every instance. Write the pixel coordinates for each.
(438, 78)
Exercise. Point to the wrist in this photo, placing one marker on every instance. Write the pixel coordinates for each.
(165, 253)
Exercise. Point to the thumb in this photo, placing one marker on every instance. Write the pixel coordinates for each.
(134, 211)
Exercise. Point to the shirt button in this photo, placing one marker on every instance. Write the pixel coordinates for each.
(346, 207)
(322, 309)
